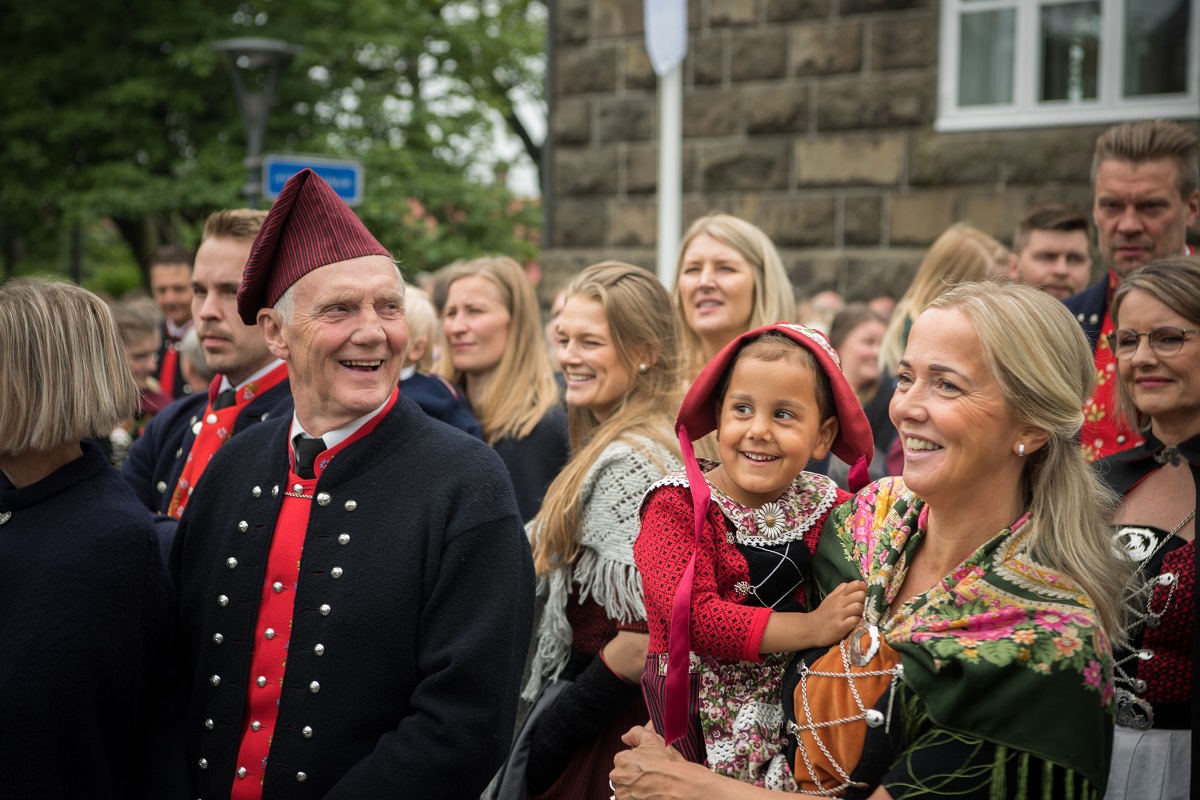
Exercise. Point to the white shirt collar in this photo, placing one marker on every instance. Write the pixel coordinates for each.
(335, 437)
(226, 384)
(408, 372)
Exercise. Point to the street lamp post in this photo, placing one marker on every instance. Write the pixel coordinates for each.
(267, 58)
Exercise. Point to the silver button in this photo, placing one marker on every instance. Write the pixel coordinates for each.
(243, 526)
(314, 687)
(277, 586)
(179, 453)
(274, 491)
(241, 773)
(1120, 438)
(5, 516)
(196, 428)
(231, 562)
(351, 505)
(324, 609)
(218, 638)
(344, 538)
(306, 732)
(323, 498)
(1094, 319)
(222, 601)
(319, 649)
(161, 486)
(1139, 685)
(297, 488)
(1145, 654)
(254, 726)
(1166, 579)
(269, 633)
(215, 680)
(256, 491)
(301, 777)
(336, 572)
(261, 681)
(208, 723)
(874, 718)
(211, 419)
(202, 763)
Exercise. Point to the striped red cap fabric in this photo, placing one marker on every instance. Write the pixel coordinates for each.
(308, 226)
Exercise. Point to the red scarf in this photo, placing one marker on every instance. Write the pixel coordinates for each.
(1103, 432)
(213, 430)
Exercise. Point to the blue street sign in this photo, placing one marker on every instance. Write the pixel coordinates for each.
(344, 175)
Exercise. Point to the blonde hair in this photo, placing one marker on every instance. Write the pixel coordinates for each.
(643, 331)
(136, 319)
(65, 376)
(1043, 364)
(522, 389)
(774, 299)
(422, 324)
(1174, 282)
(242, 224)
(962, 254)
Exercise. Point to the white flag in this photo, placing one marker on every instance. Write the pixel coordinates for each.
(666, 33)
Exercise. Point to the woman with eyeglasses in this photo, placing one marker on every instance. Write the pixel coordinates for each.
(1156, 313)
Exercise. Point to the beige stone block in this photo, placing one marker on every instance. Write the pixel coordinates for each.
(571, 122)
(760, 54)
(1059, 154)
(578, 223)
(636, 70)
(711, 113)
(800, 222)
(788, 10)
(579, 171)
(641, 168)
(880, 100)
(904, 42)
(570, 20)
(862, 220)
(823, 48)
(752, 166)
(938, 159)
(871, 6)
(777, 108)
(617, 17)
(627, 118)
(997, 212)
(917, 218)
(632, 223)
(849, 160)
(886, 272)
(731, 12)
(706, 59)
(587, 69)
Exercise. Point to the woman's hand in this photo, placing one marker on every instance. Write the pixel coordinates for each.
(653, 771)
(625, 654)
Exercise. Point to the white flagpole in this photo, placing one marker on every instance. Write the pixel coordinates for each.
(666, 43)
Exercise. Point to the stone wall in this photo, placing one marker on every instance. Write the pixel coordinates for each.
(811, 118)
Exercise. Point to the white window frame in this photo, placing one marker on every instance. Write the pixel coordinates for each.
(1025, 111)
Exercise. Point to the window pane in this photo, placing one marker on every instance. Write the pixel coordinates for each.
(1156, 46)
(985, 60)
(1070, 51)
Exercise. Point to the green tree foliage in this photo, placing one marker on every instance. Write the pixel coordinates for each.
(121, 112)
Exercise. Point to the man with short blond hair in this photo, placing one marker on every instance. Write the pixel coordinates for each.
(1051, 250)
(1146, 183)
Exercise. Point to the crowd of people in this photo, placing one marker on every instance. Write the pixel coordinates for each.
(369, 540)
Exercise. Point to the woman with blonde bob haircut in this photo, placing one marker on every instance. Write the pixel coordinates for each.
(982, 665)
(729, 279)
(617, 344)
(497, 358)
(86, 600)
(962, 254)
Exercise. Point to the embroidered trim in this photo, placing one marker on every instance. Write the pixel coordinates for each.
(801, 506)
(1013, 563)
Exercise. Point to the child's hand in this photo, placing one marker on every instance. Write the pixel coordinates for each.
(838, 613)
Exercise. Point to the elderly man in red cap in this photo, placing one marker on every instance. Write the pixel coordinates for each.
(355, 590)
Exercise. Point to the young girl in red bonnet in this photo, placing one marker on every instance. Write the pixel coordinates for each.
(725, 548)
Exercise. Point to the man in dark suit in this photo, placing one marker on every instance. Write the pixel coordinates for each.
(171, 287)
(355, 588)
(167, 460)
(1146, 182)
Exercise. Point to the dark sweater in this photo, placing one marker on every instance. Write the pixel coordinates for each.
(83, 621)
(424, 629)
(535, 461)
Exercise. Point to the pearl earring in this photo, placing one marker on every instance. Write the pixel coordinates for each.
(643, 367)
(1021, 450)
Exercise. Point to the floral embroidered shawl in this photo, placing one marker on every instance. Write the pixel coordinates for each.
(1002, 648)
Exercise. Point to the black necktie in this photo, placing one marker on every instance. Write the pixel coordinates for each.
(224, 400)
(306, 454)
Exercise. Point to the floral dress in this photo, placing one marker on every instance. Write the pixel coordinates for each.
(753, 562)
(995, 682)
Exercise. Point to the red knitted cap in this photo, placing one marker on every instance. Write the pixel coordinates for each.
(698, 414)
(308, 226)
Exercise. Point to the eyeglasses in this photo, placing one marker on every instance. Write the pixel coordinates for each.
(1164, 341)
